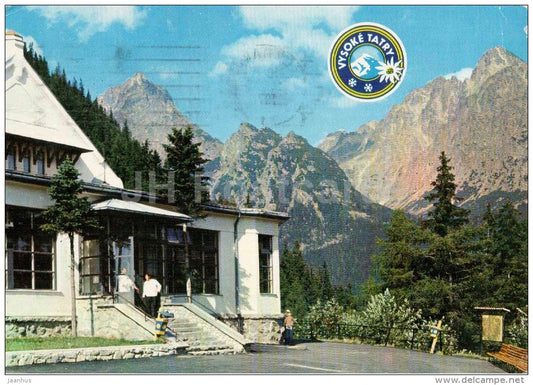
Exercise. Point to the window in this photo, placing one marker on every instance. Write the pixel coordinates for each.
(26, 162)
(265, 264)
(203, 261)
(40, 163)
(11, 160)
(29, 251)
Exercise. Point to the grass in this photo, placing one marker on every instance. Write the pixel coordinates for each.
(39, 343)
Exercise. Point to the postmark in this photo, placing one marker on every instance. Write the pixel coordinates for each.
(367, 61)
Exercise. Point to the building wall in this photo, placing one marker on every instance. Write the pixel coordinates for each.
(245, 252)
(20, 304)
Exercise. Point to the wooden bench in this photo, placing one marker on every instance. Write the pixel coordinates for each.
(512, 355)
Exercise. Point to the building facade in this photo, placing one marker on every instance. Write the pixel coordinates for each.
(227, 261)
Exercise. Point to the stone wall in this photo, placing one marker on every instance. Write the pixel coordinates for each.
(99, 317)
(265, 330)
(35, 357)
(17, 327)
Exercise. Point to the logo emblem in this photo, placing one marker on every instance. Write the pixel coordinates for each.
(367, 61)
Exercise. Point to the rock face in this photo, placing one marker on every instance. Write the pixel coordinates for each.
(330, 218)
(151, 114)
(480, 123)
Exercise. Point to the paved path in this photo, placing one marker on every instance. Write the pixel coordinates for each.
(310, 358)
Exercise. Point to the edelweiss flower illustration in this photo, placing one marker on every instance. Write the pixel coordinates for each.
(390, 71)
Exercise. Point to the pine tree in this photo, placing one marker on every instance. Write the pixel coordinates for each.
(325, 281)
(509, 257)
(445, 215)
(292, 281)
(70, 215)
(402, 260)
(185, 161)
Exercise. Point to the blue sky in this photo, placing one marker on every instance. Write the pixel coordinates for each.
(266, 65)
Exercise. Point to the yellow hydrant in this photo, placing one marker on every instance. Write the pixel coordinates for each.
(161, 323)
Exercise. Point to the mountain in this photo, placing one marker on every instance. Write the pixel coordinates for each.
(481, 124)
(151, 114)
(365, 66)
(332, 221)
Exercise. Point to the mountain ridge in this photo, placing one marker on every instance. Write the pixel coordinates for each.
(481, 123)
(341, 193)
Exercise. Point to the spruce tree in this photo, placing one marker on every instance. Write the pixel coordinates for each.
(185, 163)
(509, 243)
(69, 215)
(445, 215)
(402, 260)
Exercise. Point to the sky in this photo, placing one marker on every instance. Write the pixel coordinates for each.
(265, 65)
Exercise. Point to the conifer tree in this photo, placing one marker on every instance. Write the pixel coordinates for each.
(69, 215)
(445, 215)
(185, 161)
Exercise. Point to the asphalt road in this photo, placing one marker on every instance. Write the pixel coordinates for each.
(308, 358)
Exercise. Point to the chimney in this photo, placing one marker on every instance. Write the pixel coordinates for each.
(14, 44)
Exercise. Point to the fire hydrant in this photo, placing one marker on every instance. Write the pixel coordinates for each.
(161, 323)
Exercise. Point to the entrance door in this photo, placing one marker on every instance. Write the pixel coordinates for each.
(124, 269)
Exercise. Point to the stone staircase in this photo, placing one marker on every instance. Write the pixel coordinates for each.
(205, 334)
(201, 332)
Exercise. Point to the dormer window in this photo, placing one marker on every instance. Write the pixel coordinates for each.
(11, 160)
(26, 164)
(40, 163)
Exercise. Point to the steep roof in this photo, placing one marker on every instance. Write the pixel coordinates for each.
(32, 111)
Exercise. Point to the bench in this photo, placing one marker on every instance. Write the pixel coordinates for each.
(512, 355)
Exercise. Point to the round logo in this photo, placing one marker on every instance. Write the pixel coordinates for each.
(367, 61)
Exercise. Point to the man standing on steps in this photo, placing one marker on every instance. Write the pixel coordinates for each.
(151, 289)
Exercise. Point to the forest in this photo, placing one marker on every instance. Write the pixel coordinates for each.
(438, 268)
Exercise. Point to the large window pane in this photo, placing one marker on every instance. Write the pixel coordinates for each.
(29, 251)
(44, 281)
(22, 261)
(43, 262)
(265, 264)
(22, 280)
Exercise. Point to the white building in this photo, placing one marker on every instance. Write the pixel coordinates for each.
(232, 253)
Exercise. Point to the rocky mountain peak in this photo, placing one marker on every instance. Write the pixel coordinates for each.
(293, 140)
(247, 129)
(139, 77)
(151, 114)
(494, 61)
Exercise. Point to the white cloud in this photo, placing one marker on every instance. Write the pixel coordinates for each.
(29, 40)
(294, 83)
(256, 51)
(461, 75)
(288, 34)
(312, 28)
(89, 20)
(220, 68)
(343, 102)
(290, 17)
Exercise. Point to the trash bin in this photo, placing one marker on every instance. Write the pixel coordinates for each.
(161, 322)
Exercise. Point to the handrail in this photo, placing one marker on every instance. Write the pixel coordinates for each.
(208, 310)
(146, 315)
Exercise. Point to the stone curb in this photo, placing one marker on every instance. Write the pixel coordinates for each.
(35, 357)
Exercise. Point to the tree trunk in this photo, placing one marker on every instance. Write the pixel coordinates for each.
(74, 323)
